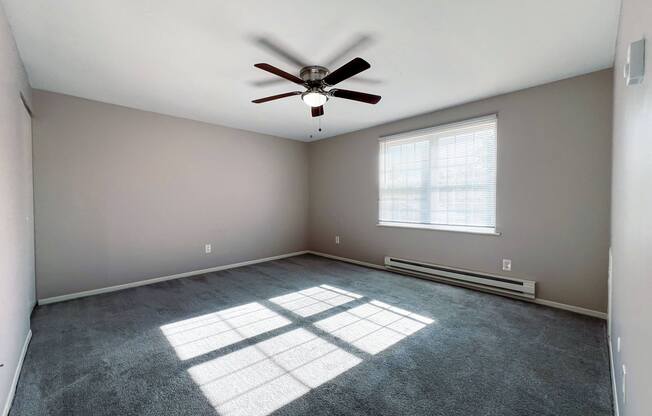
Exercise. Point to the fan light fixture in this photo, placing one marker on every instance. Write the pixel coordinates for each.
(314, 98)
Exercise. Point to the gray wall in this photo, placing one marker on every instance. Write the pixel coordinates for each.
(554, 158)
(124, 195)
(16, 217)
(631, 229)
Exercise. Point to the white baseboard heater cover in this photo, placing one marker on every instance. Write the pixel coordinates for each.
(483, 281)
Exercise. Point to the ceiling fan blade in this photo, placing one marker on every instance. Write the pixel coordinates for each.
(269, 81)
(276, 97)
(360, 41)
(317, 111)
(355, 96)
(364, 80)
(274, 70)
(280, 50)
(347, 70)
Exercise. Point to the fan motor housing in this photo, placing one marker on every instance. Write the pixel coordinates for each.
(313, 74)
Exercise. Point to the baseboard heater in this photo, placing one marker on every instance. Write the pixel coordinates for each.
(487, 282)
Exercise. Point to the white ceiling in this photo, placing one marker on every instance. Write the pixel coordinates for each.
(194, 59)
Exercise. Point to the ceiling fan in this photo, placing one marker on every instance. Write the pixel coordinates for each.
(316, 80)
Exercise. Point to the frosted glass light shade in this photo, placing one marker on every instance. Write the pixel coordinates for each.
(314, 99)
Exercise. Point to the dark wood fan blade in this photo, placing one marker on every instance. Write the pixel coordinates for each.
(276, 97)
(355, 96)
(347, 70)
(274, 70)
(317, 111)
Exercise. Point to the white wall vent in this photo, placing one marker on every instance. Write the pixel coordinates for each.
(483, 281)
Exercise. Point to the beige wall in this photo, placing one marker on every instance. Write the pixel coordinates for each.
(631, 229)
(16, 214)
(554, 158)
(124, 195)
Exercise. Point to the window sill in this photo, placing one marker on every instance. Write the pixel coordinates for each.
(450, 228)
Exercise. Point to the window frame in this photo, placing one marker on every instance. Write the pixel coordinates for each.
(411, 134)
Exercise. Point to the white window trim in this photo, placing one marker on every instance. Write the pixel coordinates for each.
(450, 228)
(489, 231)
(439, 127)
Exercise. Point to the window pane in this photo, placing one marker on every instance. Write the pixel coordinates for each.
(445, 175)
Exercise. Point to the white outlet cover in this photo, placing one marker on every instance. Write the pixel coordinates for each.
(208, 248)
(618, 344)
(507, 265)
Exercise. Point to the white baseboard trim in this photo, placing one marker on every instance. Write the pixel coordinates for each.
(19, 367)
(572, 308)
(613, 377)
(552, 304)
(347, 260)
(70, 296)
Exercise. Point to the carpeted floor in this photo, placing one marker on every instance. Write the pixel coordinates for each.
(311, 336)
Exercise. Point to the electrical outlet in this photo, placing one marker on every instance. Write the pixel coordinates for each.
(208, 248)
(507, 265)
(337, 239)
(618, 344)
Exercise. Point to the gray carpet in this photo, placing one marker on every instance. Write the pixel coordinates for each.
(311, 336)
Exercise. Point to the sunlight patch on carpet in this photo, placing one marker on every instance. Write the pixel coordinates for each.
(314, 300)
(261, 378)
(374, 326)
(200, 335)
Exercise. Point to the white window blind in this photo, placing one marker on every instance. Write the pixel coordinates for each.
(444, 176)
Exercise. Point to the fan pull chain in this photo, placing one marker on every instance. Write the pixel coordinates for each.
(316, 122)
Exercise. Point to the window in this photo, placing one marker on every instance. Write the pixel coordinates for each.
(442, 177)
